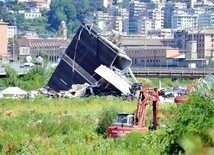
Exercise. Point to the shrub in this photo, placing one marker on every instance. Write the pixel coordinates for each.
(194, 119)
(107, 117)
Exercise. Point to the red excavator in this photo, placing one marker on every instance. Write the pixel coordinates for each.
(136, 122)
(182, 99)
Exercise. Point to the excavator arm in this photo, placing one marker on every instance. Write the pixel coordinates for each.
(136, 122)
(147, 95)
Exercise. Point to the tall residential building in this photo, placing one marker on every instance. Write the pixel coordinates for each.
(117, 11)
(151, 18)
(135, 11)
(158, 18)
(118, 23)
(108, 22)
(185, 21)
(119, 18)
(206, 20)
(190, 3)
(144, 25)
(3, 43)
(169, 9)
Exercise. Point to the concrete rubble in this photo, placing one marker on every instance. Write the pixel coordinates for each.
(202, 87)
(96, 62)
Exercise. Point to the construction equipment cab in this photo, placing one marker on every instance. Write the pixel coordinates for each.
(136, 122)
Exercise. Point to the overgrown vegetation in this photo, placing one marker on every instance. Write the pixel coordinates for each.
(64, 126)
(78, 126)
(36, 78)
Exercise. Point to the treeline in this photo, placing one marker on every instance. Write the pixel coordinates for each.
(36, 78)
(60, 10)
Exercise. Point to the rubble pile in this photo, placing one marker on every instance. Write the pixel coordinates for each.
(94, 59)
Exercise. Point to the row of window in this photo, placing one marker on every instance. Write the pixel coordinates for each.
(150, 60)
(148, 51)
(45, 47)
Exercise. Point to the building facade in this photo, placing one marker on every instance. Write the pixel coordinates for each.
(148, 52)
(135, 11)
(12, 31)
(169, 10)
(185, 21)
(4, 57)
(52, 48)
(204, 41)
(32, 14)
(206, 20)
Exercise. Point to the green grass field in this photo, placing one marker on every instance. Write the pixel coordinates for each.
(58, 126)
(45, 126)
(69, 126)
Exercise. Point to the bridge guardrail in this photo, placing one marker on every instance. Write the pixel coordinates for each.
(172, 71)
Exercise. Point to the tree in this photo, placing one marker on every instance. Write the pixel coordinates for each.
(12, 76)
(61, 10)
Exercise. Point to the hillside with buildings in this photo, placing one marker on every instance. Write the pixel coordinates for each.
(153, 33)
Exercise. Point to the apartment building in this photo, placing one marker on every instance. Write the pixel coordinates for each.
(169, 9)
(117, 11)
(151, 17)
(204, 39)
(185, 21)
(11, 31)
(4, 57)
(135, 9)
(144, 25)
(41, 4)
(158, 18)
(53, 48)
(32, 14)
(206, 20)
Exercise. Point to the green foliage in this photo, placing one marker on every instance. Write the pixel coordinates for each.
(107, 117)
(166, 82)
(61, 10)
(11, 76)
(63, 126)
(36, 78)
(194, 119)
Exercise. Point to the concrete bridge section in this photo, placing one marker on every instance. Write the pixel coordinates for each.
(154, 72)
(176, 72)
(171, 72)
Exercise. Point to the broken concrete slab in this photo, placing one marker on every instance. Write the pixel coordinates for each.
(86, 52)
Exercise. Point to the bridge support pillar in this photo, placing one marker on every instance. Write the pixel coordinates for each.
(159, 82)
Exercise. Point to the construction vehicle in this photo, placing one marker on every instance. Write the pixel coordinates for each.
(182, 99)
(127, 123)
